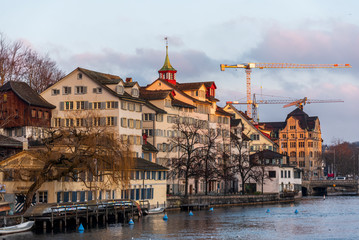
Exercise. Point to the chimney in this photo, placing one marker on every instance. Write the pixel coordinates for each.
(128, 79)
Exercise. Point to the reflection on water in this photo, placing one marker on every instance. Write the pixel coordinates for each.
(333, 218)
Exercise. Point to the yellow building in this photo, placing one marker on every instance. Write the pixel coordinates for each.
(300, 138)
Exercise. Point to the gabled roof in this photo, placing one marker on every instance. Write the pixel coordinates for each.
(220, 111)
(148, 147)
(143, 164)
(267, 154)
(102, 78)
(178, 103)
(189, 86)
(154, 94)
(235, 122)
(26, 93)
(129, 84)
(305, 122)
(9, 142)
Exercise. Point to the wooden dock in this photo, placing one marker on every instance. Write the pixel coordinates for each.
(85, 213)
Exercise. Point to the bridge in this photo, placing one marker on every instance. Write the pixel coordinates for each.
(321, 187)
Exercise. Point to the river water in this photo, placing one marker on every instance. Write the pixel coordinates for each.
(333, 218)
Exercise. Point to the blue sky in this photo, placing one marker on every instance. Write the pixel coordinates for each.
(126, 38)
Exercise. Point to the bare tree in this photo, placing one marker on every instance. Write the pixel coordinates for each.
(240, 158)
(187, 141)
(20, 63)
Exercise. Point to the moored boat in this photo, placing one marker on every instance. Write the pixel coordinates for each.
(22, 227)
(155, 211)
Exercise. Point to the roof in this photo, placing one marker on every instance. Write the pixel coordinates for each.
(220, 111)
(9, 142)
(26, 93)
(178, 103)
(143, 164)
(154, 94)
(235, 122)
(148, 147)
(305, 122)
(189, 86)
(267, 154)
(167, 65)
(102, 78)
(129, 84)
(155, 108)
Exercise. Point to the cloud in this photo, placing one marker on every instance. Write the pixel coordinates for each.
(309, 45)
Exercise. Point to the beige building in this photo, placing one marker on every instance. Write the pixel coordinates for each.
(147, 182)
(86, 97)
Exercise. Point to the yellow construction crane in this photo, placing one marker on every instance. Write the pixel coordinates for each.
(289, 102)
(249, 66)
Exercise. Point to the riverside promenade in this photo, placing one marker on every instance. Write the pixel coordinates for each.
(197, 202)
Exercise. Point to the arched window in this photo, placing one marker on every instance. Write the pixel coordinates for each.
(311, 154)
(293, 154)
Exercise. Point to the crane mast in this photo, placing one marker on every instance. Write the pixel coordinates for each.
(249, 66)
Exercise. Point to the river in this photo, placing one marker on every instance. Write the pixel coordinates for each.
(333, 218)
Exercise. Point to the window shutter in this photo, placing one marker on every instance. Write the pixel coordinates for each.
(115, 105)
(102, 121)
(62, 122)
(103, 105)
(85, 90)
(86, 105)
(90, 105)
(61, 106)
(115, 121)
(69, 88)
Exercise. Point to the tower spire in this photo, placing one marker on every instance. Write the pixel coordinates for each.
(167, 72)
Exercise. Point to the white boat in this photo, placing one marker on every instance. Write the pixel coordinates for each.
(155, 210)
(22, 227)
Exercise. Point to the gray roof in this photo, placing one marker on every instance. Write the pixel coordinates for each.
(143, 164)
(26, 93)
(9, 142)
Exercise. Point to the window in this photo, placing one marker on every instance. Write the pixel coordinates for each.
(148, 132)
(33, 113)
(120, 89)
(310, 144)
(69, 122)
(301, 135)
(81, 90)
(42, 196)
(138, 124)
(272, 174)
(123, 122)
(97, 105)
(80, 122)
(284, 135)
(97, 121)
(80, 105)
(39, 115)
(134, 92)
(111, 105)
(293, 144)
(55, 92)
(97, 90)
(148, 117)
(57, 122)
(254, 136)
(284, 145)
(111, 121)
(288, 174)
(46, 115)
(292, 127)
(301, 144)
(131, 123)
(301, 163)
(293, 154)
(281, 173)
(301, 154)
(66, 90)
(159, 118)
(138, 107)
(69, 105)
(131, 106)
(79, 76)
(124, 105)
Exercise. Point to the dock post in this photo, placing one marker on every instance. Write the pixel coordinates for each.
(132, 210)
(87, 214)
(44, 224)
(116, 215)
(60, 223)
(124, 214)
(4, 221)
(77, 220)
(97, 214)
(52, 218)
(66, 216)
(106, 214)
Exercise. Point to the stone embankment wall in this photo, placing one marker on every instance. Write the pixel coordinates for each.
(232, 200)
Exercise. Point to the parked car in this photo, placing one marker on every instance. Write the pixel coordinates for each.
(340, 178)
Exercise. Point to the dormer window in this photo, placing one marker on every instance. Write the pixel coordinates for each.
(79, 76)
(134, 92)
(120, 89)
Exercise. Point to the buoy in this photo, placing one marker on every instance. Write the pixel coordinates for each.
(131, 222)
(165, 217)
(190, 213)
(268, 211)
(296, 211)
(81, 228)
(211, 209)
